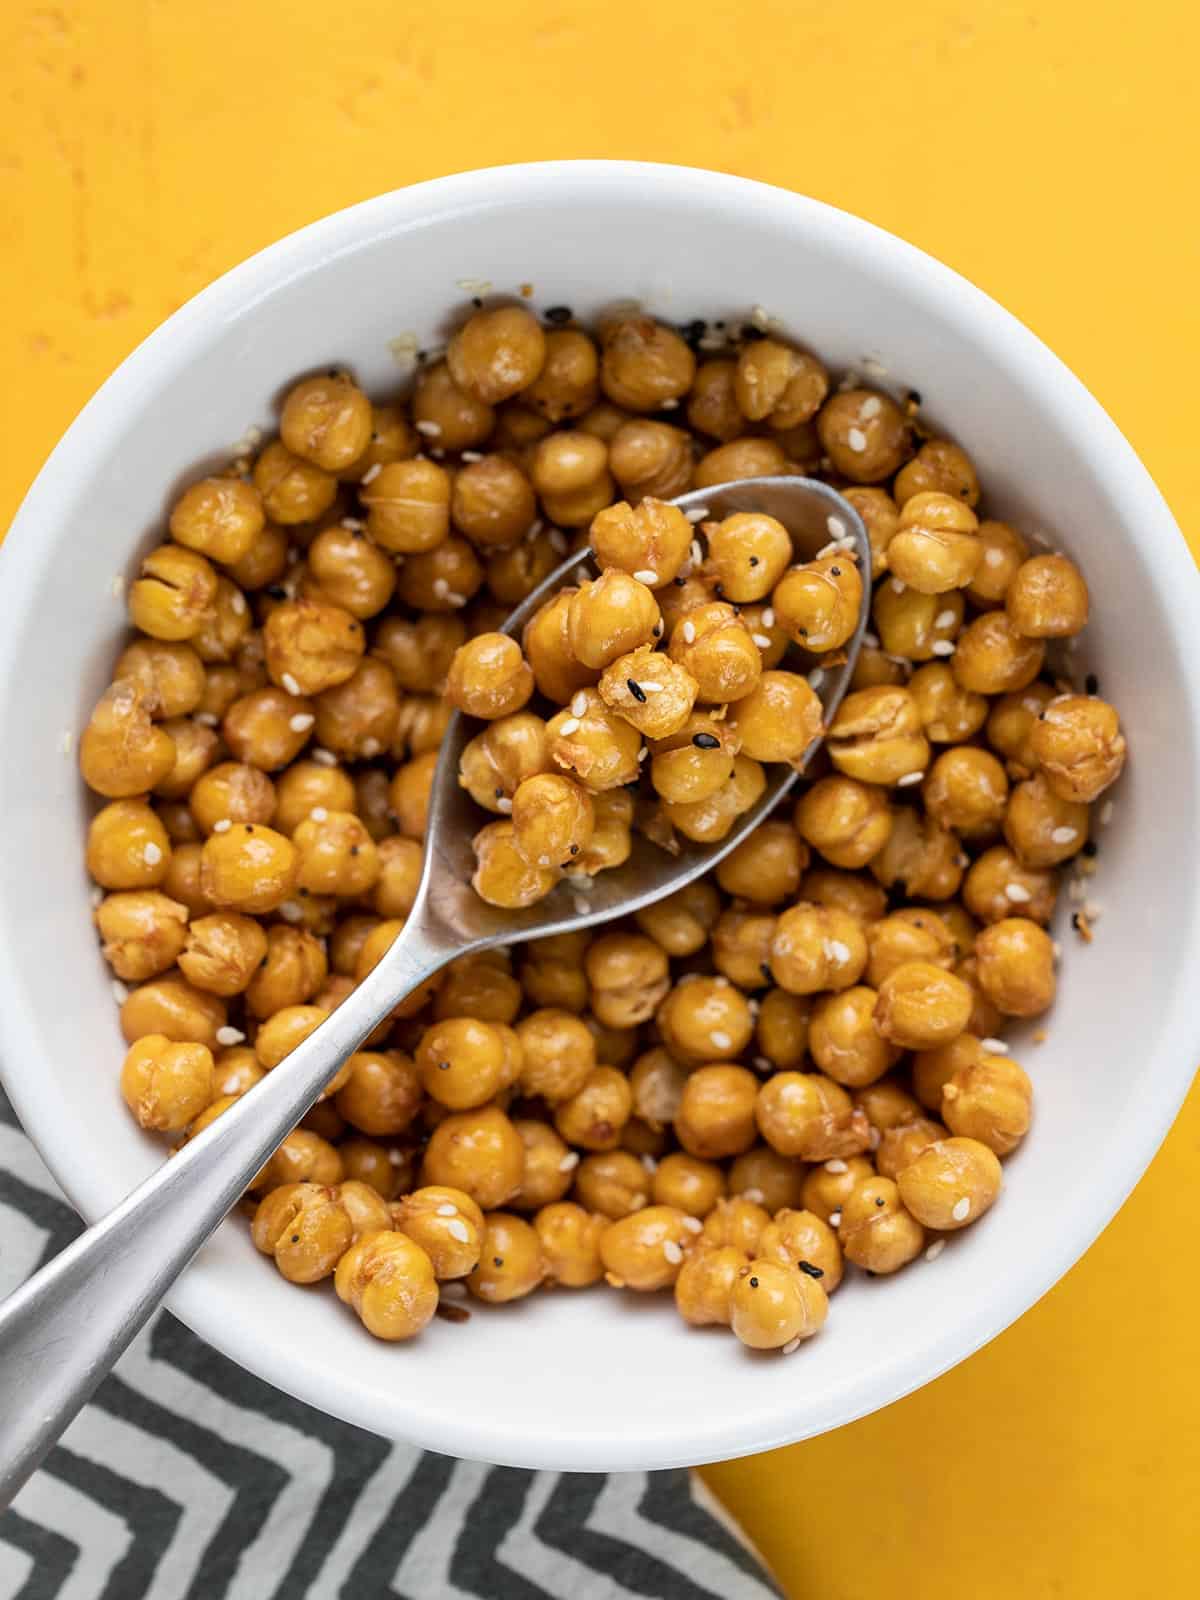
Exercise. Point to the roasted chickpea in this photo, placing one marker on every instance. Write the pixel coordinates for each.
(196, 747)
(951, 1183)
(479, 986)
(448, 416)
(913, 625)
(920, 1005)
(852, 892)
(991, 657)
(708, 821)
(389, 1282)
(1047, 598)
(1016, 966)
(1041, 827)
(368, 1162)
(828, 1186)
(865, 434)
(496, 353)
(949, 713)
(503, 877)
(737, 1222)
(569, 380)
(615, 1047)
(877, 737)
(762, 1175)
(410, 791)
(881, 518)
(748, 555)
(629, 976)
(644, 364)
(741, 943)
(141, 932)
(714, 645)
(121, 752)
(479, 1152)
(914, 933)
(921, 856)
(492, 502)
(804, 1241)
(464, 1063)
(393, 438)
(657, 1082)
(166, 1082)
(900, 1146)
(395, 889)
(569, 470)
(594, 743)
(365, 1206)
(843, 1039)
(766, 868)
(774, 383)
(552, 974)
(248, 868)
(691, 765)
(326, 420)
(335, 854)
(650, 691)
(817, 947)
(547, 645)
(510, 1260)
(303, 1157)
(305, 1228)
(645, 1250)
(847, 821)
(293, 970)
(223, 952)
(594, 1115)
(939, 467)
(514, 574)
(778, 719)
(609, 617)
(235, 1070)
(966, 789)
(128, 847)
(265, 563)
(218, 517)
(497, 761)
(998, 884)
(935, 547)
(169, 673)
(781, 1029)
(174, 594)
(350, 572)
(553, 819)
(772, 1306)
(182, 882)
(1079, 747)
(489, 677)
(293, 490)
(447, 1224)
(570, 1240)
(818, 604)
(408, 506)
(688, 1183)
(705, 1019)
(886, 1105)
(268, 728)
(684, 595)
(716, 1111)
(877, 1232)
(171, 1006)
(231, 794)
(810, 1116)
(989, 1099)
(705, 1283)
(442, 579)
(651, 458)
(681, 922)
(311, 645)
(613, 1183)
(741, 458)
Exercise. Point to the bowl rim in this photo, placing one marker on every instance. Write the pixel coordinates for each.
(96, 431)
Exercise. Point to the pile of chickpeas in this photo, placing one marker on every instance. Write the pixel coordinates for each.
(791, 1066)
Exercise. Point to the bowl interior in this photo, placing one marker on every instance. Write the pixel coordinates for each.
(598, 1380)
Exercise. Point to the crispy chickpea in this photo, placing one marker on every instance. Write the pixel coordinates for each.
(569, 381)
(764, 1176)
(613, 1183)
(265, 563)
(365, 1206)
(395, 889)
(828, 1186)
(489, 677)
(358, 719)
(852, 892)
(877, 737)
(479, 1152)
(268, 728)
(497, 353)
(629, 976)
(766, 868)
(381, 1094)
(810, 1116)
(1079, 747)
(951, 1183)
(935, 547)
(514, 574)
(886, 1105)
(569, 470)
(921, 1005)
(939, 467)
(173, 1007)
(991, 657)
(1042, 828)
(305, 1228)
(716, 1111)
(914, 933)
(492, 502)
(312, 645)
(771, 1306)
(705, 1019)
(223, 952)
(844, 1042)
(448, 416)
(778, 719)
(389, 1282)
(235, 1070)
(864, 434)
(594, 743)
(900, 1146)
(166, 1082)
(128, 847)
(644, 364)
(966, 789)
(510, 1260)
(293, 971)
(479, 986)
(748, 555)
(1047, 598)
(688, 1183)
(447, 1224)
(182, 882)
(464, 1063)
(881, 518)
(914, 625)
(368, 1162)
(998, 883)
(877, 1232)
(393, 438)
(335, 855)
(776, 384)
(692, 764)
(408, 506)
(741, 943)
(818, 604)
(442, 579)
(921, 857)
(570, 1241)
(231, 794)
(547, 645)
(248, 868)
(303, 1157)
(594, 1115)
(141, 932)
(196, 747)
(651, 692)
(989, 1099)
(657, 1082)
(712, 406)
(781, 1029)
(804, 1241)
(293, 490)
(736, 1221)
(173, 596)
(609, 617)
(1004, 550)
(553, 819)
(645, 1250)
(1016, 966)
(121, 752)
(497, 761)
(503, 877)
(615, 1047)
(350, 572)
(602, 420)
(817, 947)
(218, 517)
(849, 822)
(950, 714)
(170, 674)
(705, 1283)
(714, 645)
(741, 458)
(326, 420)
(651, 458)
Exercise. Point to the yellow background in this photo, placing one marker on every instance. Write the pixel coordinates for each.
(1047, 149)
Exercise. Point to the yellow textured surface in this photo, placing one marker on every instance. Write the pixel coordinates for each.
(1045, 150)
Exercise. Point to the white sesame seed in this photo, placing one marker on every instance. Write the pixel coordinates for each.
(962, 1209)
(222, 825)
(870, 407)
(585, 883)
(352, 524)
(371, 748)
(569, 1162)
(1017, 893)
(152, 854)
(646, 575)
(228, 1036)
(403, 349)
(874, 1138)
(721, 1039)
(838, 951)
(763, 1064)
(996, 1046)
(643, 753)
(474, 286)
(909, 778)
(319, 814)
(711, 341)
(830, 549)
(582, 906)
(935, 1249)
(441, 587)
(698, 514)
(836, 527)
(761, 640)
(898, 586)
(693, 1224)
(835, 1219)
(790, 1346)
(816, 677)
(207, 719)
(649, 1164)
(1057, 949)
(759, 317)
(371, 474)
(688, 631)
(1077, 891)
(768, 617)
(1093, 910)
(672, 1252)
(1106, 813)
(459, 1230)
(579, 704)
(120, 992)
(97, 896)
(755, 1196)
(942, 647)
(650, 687)
(1063, 835)
(431, 430)
(471, 456)
(857, 440)
(290, 685)
(836, 1166)
(116, 586)
(696, 553)
(557, 540)
(291, 912)
(570, 726)
(301, 722)
(238, 603)
(871, 640)
(323, 758)
(504, 805)
(992, 557)
(945, 619)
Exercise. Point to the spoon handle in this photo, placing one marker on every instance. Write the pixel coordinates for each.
(61, 1331)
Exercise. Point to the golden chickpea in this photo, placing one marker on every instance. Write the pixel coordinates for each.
(741, 458)
(141, 932)
(935, 547)
(395, 890)
(991, 657)
(489, 677)
(886, 1105)
(479, 986)
(774, 383)
(877, 736)
(268, 728)
(773, 1306)
(649, 691)
(464, 1063)
(235, 1070)
(365, 1206)
(223, 952)
(762, 1175)
(569, 470)
(326, 420)
(360, 718)
(989, 1099)
(303, 1157)
(705, 1283)
(741, 943)
(410, 791)
(693, 764)
(335, 854)
(987, 1020)
(651, 458)
(847, 821)
(712, 406)
(393, 438)
(950, 714)
(510, 1260)
(1003, 552)
(492, 502)
(881, 517)
(716, 1111)
(368, 1162)
(293, 971)
(714, 645)
(828, 1186)
(779, 718)
(182, 882)
(602, 420)
(644, 364)
(447, 1224)
(448, 416)
(804, 1241)
(171, 1006)
(914, 625)
(1042, 828)
(499, 760)
(609, 617)
(966, 789)
(503, 877)
(688, 1183)
(293, 490)
(766, 868)
(657, 1082)
(196, 747)
(645, 1250)
(174, 594)
(594, 1115)
(248, 868)
(705, 1019)
(1016, 966)
(479, 1152)
(553, 819)
(852, 892)
(165, 1082)
(951, 1183)
(569, 381)
(865, 435)
(920, 858)
(350, 572)
(570, 1241)
(128, 847)
(615, 1047)
(442, 579)
(218, 517)
(877, 1232)
(781, 1029)
(998, 884)
(939, 467)
(613, 1183)
(900, 1146)
(1047, 598)
(684, 594)
(305, 1228)
(265, 563)
(408, 506)
(737, 1223)
(121, 752)
(594, 743)
(231, 794)
(920, 1005)
(629, 976)
(817, 947)
(1079, 747)
(650, 538)
(914, 933)
(547, 645)
(843, 1039)
(748, 555)
(497, 353)
(169, 673)
(818, 604)
(312, 646)
(513, 574)
(389, 1282)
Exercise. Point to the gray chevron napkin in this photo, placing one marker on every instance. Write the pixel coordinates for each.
(189, 1479)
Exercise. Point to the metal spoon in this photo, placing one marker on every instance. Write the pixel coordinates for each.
(62, 1331)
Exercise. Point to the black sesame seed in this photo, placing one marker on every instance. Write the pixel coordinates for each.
(295, 1238)
(497, 1261)
(813, 1272)
(353, 849)
(719, 324)
(1075, 920)
(1092, 683)
(277, 592)
(249, 827)
(303, 893)
(679, 582)
(835, 572)
(706, 741)
(766, 971)
(574, 849)
(754, 1283)
(477, 302)
(499, 794)
(914, 396)
(753, 561)
(636, 690)
(751, 334)
(443, 1066)
(1091, 848)
(719, 591)
(558, 314)
(878, 1200)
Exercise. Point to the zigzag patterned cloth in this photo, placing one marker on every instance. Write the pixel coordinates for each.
(189, 1479)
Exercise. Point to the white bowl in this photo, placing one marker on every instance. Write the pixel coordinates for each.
(597, 1380)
